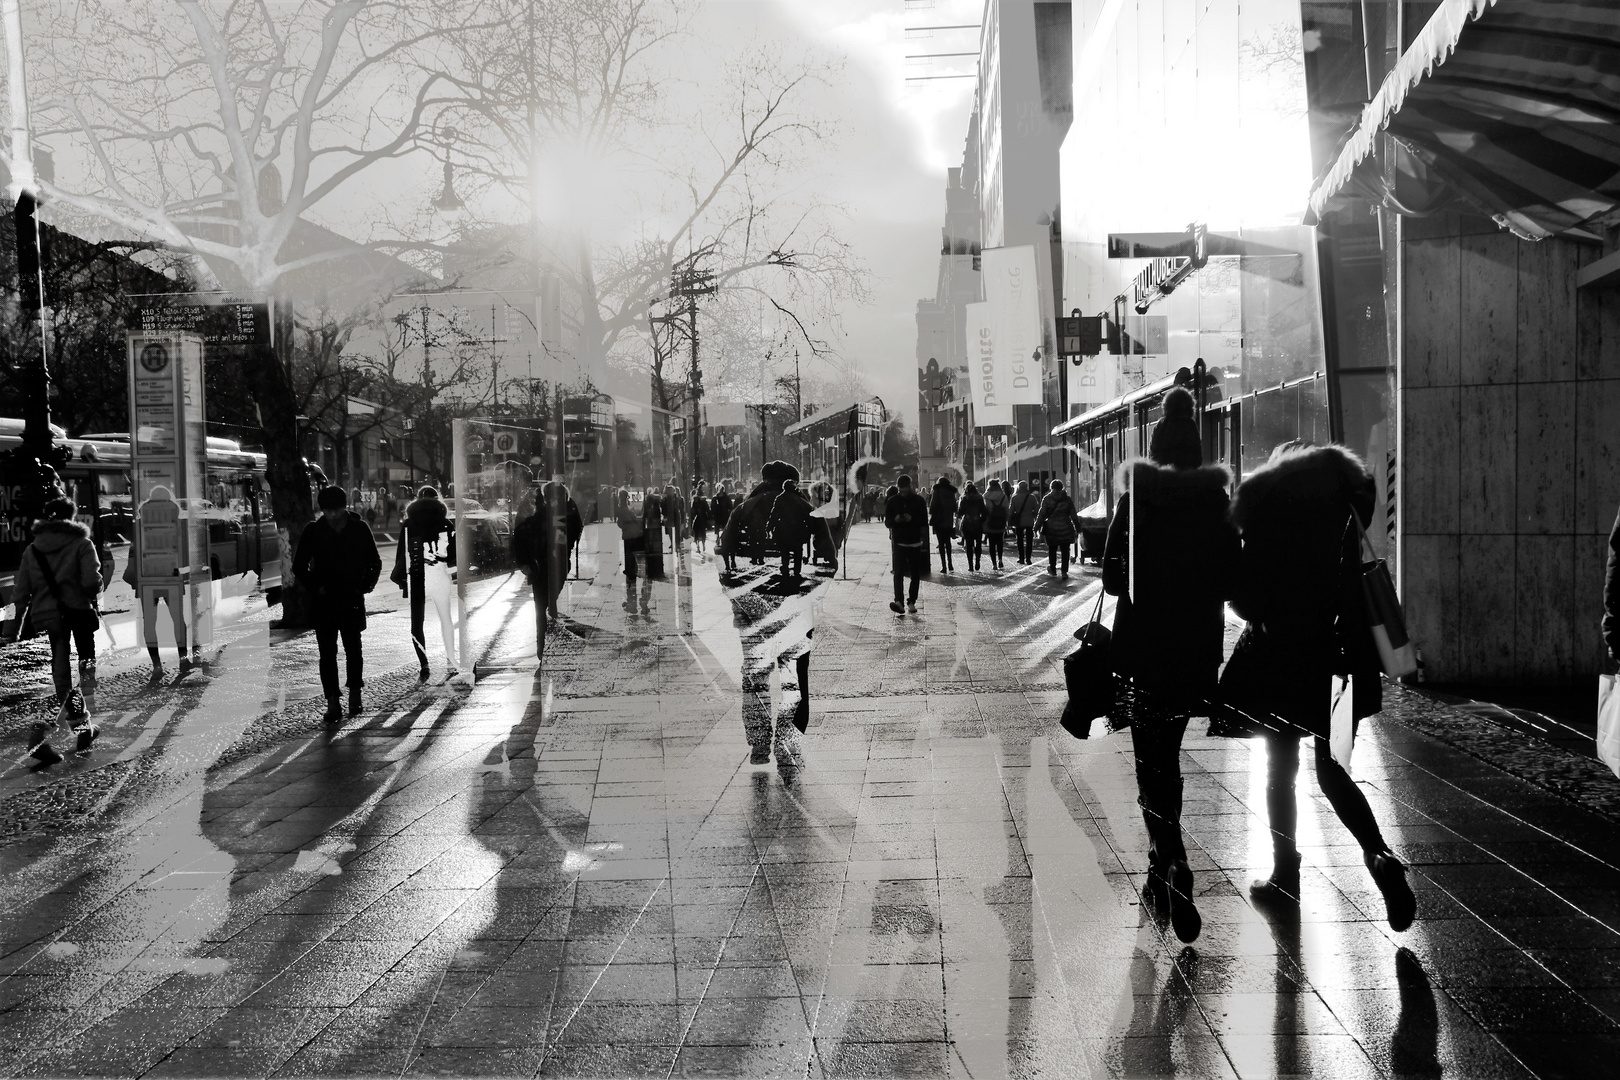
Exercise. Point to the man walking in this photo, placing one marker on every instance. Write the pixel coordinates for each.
(906, 515)
(338, 563)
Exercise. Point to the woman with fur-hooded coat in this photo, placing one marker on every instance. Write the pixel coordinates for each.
(1170, 557)
(1299, 590)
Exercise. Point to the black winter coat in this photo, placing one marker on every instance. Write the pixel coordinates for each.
(1611, 594)
(1299, 587)
(339, 569)
(942, 507)
(913, 508)
(424, 521)
(1171, 528)
(972, 513)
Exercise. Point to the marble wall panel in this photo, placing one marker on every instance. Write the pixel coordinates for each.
(1429, 351)
(1597, 454)
(1429, 596)
(1485, 608)
(1430, 440)
(1546, 611)
(1546, 452)
(1547, 332)
(1488, 473)
(1488, 308)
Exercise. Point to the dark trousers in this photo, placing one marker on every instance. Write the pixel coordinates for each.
(1156, 740)
(61, 662)
(944, 550)
(907, 562)
(1026, 544)
(1055, 549)
(1282, 767)
(973, 545)
(998, 547)
(326, 639)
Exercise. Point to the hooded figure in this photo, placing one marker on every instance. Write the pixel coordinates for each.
(942, 514)
(1059, 522)
(337, 560)
(775, 616)
(970, 515)
(58, 579)
(1170, 557)
(790, 524)
(1299, 589)
(422, 563)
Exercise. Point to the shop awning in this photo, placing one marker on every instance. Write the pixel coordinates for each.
(1511, 106)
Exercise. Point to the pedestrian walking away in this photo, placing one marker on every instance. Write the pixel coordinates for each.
(1298, 588)
(1059, 523)
(652, 523)
(633, 534)
(995, 523)
(906, 514)
(424, 560)
(790, 527)
(701, 519)
(58, 579)
(942, 515)
(1022, 510)
(775, 616)
(970, 516)
(159, 508)
(337, 562)
(1170, 557)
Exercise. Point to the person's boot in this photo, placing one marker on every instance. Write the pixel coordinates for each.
(39, 745)
(85, 734)
(1282, 887)
(354, 701)
(1400, 906)
(1184, 917)
(334, 709)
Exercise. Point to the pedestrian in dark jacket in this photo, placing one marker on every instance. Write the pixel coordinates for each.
(701, 519)
(1022, 510)
(423, 562)
(337, 562)
(791, 526)
(1298, 588)
(1170, 558)
(970, 514)
(1059, 523)
(995, 523)
(632, 523)
(1611, 595)
(942, 513)
(906, 514)
(58, 580)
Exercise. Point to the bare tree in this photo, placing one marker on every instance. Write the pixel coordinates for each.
(216, 130)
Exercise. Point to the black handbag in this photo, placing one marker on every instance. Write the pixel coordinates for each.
(1089, 675)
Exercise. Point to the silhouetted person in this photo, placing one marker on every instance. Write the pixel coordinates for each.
(1059, 523)
(995, 523)
(942, 515)
(970, 514)
(338, 563)
(1022, 510)
(906, 514)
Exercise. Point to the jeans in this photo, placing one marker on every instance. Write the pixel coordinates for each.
(944, 550)
(998, 545)
(435, 587)
(1054, 549)
(1026, 544)
(1156, 734)
(907, 561)
(973, 544)
(61, 662)
(1282, 767)
(326, 639)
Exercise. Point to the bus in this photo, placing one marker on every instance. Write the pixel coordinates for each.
(241, 528)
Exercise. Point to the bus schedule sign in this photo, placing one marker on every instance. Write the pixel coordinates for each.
(216, 318)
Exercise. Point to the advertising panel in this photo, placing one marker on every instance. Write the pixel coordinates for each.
(1012, 291)
(990, 408)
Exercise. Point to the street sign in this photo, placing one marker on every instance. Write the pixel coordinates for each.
(216, 318)
(1080, 335)
(506, 443)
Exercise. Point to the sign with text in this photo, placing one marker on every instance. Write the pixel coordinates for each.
(989, 407)
(215, 318)
(1010, 368)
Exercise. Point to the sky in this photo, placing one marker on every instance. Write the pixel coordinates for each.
(889, 169)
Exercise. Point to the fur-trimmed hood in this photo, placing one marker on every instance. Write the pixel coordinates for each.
(1303, 475)
(1205, 478)
(51, 536)
(427, 517)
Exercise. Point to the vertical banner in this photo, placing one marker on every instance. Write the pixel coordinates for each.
(990, 407)
(1012, 291)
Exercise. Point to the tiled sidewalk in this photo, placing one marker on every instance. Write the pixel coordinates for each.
(576, 872)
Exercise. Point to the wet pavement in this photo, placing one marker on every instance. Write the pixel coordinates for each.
(575, 871)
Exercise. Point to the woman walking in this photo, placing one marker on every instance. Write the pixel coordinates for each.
(632, 530)
(423, 561)
(652, 522)
(700, 520)
(1022, 510)
(1058, 523)
(970, 520)
(1170, 557)
(1300, 516)
(995, 523)
(942, 513)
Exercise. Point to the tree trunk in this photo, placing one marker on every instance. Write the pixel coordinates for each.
(289, 482)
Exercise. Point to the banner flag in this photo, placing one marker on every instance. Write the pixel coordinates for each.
(1012, 290)
(989, 406)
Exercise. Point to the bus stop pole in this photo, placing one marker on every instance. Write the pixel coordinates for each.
(458, 470)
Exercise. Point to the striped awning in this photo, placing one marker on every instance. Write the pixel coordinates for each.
(1511, 106)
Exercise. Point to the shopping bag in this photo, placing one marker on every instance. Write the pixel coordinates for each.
(1342, 728)
(1608, 722)
(1088, 672)
(1396, 653)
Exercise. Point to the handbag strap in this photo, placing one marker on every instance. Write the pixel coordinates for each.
(50, 575)
(1096, 612)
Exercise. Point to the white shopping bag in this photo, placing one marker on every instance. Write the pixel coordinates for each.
(1342, 732)
(1608, 722)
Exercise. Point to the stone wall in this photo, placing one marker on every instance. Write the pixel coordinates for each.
(1510, 452)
